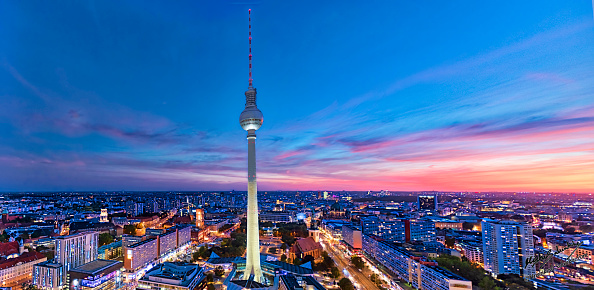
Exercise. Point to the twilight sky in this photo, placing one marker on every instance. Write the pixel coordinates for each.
(146, 95)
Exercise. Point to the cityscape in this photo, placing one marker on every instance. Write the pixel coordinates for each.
(434, 147)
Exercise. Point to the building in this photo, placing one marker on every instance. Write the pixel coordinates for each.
(387, 229)
(96, 275)
(47, 276)
(419, 230)
(103, 218)
(140, 254)
(292, 282)
(18, 270)
(506, 247)
(304, 247)
(75, 250)
(417, 271)
(277, 217)
(10, 250)
(473, 251)
(352, 236)
(174, 276)
(134, 208)
(427, 202)
(251, 120)
(70, 252)
(110, 251)
(143, 253)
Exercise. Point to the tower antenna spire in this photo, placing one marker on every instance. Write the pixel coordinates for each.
(250, 39)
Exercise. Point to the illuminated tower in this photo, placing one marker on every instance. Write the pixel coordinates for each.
(251, 119)
(200, 218)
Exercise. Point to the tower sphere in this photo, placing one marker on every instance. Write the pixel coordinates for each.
(251, 118)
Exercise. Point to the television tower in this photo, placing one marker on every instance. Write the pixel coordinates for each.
(250, 120)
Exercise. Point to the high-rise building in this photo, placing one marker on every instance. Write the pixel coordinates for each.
(419, 230)
(506, 247)
(251, 120)
(70, 252)
(427, 202)
(352, 236)
(387, 229)
(134, 208)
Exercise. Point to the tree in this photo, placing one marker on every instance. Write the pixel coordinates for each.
(209, 277)
(346, 284)
(219, 272)
(130, 230)
(569, 230)
(105, 238)
(283, 258)
(586, 228)
(36, 234)
(487, 284)
(357, 262)
(284, 247)
(24, 236)
(27, 286)
(308, 258)
(49, 255)
(450, 242)
(334, 273)
(297, 261)
(467, 226)
(272, 250)
(195, 256)
(4, 237)
(210, 287)
(373, 277)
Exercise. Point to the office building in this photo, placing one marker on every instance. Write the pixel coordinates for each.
(419, 230)
(506, 247)
(70, 252)
(140, 254)
(417, 271)
(352, 236)
(427, 202)
(48, 276)
(96, 275)
(172, 276)
(277, 217)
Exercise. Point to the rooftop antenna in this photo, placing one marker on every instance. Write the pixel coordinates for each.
(250, 30)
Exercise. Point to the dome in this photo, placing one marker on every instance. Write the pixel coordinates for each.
(251, 118)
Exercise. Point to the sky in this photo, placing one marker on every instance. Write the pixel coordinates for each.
(356, 95)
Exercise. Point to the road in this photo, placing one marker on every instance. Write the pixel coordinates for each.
(343, 263)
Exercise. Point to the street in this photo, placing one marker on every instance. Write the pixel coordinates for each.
(344, 265)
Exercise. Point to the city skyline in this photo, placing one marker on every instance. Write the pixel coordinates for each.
(357, 98)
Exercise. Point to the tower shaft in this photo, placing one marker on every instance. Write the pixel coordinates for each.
(252, 265)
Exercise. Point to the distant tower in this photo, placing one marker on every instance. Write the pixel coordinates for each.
(200, 218)
(251, 119)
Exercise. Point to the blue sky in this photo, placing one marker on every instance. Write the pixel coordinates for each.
(448, 95)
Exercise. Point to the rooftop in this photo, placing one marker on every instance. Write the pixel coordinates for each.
(176, 273)
(446, 273)
(96, 266)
